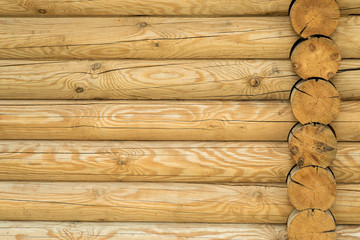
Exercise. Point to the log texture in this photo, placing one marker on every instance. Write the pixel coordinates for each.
(160, 202)
(153, 7)
(144, 37)
(153, 231)
(160, 161)
(156, 79)
(160, 120)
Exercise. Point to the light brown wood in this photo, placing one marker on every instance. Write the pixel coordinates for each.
(311, 187)
(160, 161)
(153, 231)
(310, 17)
(153, 7)
(311, 224)
(316, 57)
(160, 120)
(160, 202)
(315, 100)
(145, 37)
(312, 144)
(161, 79)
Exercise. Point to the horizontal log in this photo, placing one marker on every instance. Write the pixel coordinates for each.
(160, 161)
(160, 120)
(160, 202)
(153, 7)
(154, 231)
(145, 37)
(156, 79)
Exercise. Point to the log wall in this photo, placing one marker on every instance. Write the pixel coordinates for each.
(159, 120)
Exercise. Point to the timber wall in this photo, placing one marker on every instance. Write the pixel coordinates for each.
(153, 119)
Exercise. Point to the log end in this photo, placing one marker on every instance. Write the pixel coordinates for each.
(311, 188)
(311, 224)
(316, 57)
(312, 144)
(309, 17)
(315, 100)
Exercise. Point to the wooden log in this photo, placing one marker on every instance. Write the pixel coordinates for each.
(311, 187)
(153, 7)
(314, 17)
(316, 57)
(157, 79)
(315, 100)
(160, 202)
(107, 161)
(312, 144)
(144, 37)
(311, 224)
(160, 120)
(153, 231)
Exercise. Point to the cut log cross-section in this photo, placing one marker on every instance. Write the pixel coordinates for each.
(316, 57)
(309, 17)
(315, 100)
(312, 144)
(311, 224)
(311, 188)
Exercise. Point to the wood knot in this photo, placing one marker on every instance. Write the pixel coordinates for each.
(42, 11)
(254, 81)
(312, 47)
(79, 89)
(335, 56)
(143, 24)
(96, 66)
(156, 44)
(121, 162)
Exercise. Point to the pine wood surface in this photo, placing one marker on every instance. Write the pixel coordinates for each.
(152, 231)
(312, 144)
(157, 37)
(310, 17)
(160, 120)
(161, 79)
(161, 161)
(153, 7)
(160, 202)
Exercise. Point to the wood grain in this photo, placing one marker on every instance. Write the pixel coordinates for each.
(157, 79)
(160, 161)
(160, 202)
(156, 37)
(153, 7)
(160, 120)
(153, 231)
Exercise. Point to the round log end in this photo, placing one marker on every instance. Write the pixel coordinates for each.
(311, 188)
(312, 144)
(309, 17)
(315, 100)
(316, 57)
(311, 224)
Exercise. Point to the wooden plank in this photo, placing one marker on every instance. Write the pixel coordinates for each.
(153, 231)
(156, 37)
(160, 202)
(159, 79)
(160, 161)
(153, 7)
(160, 120)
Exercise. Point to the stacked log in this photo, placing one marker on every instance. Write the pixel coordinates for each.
(315, 103)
